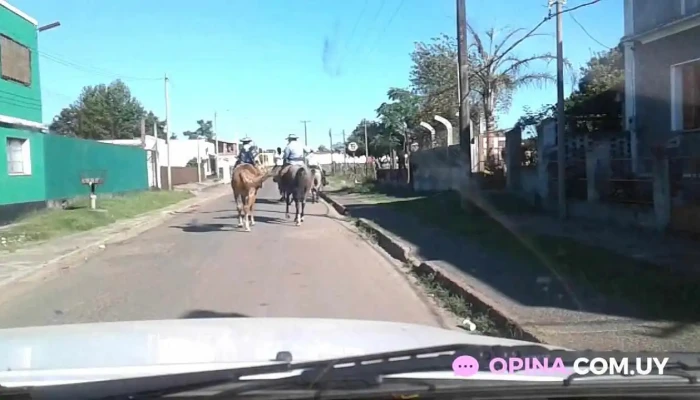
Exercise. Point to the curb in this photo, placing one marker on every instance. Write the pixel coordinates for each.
(479, 301)
(151, 220)
(341, 209)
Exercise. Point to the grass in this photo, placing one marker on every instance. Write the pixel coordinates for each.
(453, 303)
(48, 224)
(659, 292)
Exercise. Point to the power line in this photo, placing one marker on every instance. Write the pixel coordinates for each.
(391, 19)
(60, 59)
(587, 33)
(374, 20)
(376, 15)
(357, 22)
(517, 42)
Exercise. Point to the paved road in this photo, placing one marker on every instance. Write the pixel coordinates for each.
(200, 264)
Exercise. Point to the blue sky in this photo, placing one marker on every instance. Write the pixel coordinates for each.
(262, 65)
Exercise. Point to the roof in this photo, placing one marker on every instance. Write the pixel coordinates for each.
(18, 12)
(667, 29)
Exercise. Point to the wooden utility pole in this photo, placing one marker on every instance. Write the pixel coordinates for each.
(167, 134)
(561, 126)
(345, 152)
(306, 138)
(366, 149)
(330, 143)
(156, 163)
(462, 61)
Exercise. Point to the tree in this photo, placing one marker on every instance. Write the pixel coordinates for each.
(338, 147)
(380, 138)
(597, 104)
(433, 77)
(173, 136)
(160, 125)
(323, 149)
(498, 73)
(204, 130)
(400, 118)
(102, 112)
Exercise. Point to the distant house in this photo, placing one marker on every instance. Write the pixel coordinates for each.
(662, 72)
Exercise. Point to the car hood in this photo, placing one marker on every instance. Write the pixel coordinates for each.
(111, 350)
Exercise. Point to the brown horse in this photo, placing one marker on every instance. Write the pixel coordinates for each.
(245, 182)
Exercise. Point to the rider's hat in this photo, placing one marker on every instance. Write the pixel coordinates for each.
(246, 140)
(292, 137)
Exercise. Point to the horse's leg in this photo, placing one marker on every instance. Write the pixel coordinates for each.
(252, 207)
(303, 206)
(297, 216)
(288, 203)
(246, 211)
(239, 199)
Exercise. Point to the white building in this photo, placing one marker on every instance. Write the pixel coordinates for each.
(181, 152)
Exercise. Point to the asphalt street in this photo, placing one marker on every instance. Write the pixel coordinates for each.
(200, 264)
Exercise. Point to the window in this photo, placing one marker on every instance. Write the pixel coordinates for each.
(15, 61)
(685, 97)
(18, 157)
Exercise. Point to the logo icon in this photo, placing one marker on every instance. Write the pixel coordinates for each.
(465, 366)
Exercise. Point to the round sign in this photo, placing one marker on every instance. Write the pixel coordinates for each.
(352, 146)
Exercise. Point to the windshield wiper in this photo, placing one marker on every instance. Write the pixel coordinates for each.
(365, 371)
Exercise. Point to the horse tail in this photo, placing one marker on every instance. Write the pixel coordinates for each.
(302, 180)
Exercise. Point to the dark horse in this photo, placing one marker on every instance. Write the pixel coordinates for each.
(296, 183)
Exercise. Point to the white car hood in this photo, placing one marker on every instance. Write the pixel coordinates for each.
(82, 352)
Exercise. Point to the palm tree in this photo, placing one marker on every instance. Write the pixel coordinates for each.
(498, 74)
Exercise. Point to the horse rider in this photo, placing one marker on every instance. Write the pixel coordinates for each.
(293, 154)
(248, 152)
(312, 162)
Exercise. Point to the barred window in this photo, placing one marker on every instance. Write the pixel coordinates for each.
(18, 156)
(15, 61)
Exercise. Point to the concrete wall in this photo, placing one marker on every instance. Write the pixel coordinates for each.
(535, 185)
(181, 175)
(68, 159)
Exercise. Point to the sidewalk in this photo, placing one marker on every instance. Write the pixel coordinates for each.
(72, 250)
(554, 311)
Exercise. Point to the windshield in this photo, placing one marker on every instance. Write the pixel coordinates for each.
(232, 180)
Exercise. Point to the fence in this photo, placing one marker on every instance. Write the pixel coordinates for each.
(67, 159)
(181, 175)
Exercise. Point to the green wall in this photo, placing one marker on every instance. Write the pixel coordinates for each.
(123, 167)
(23, 188)
(16, 99)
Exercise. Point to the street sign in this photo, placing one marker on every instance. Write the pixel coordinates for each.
(352, 147)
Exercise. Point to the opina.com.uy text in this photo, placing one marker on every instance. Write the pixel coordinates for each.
(468, 366)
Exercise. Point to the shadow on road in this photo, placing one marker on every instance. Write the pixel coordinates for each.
(196, 314)
(510, 260)
(203, 228)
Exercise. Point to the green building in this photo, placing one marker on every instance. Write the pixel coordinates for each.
(42, 167)
(22, 184)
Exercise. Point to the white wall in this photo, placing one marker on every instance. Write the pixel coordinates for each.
(181, 151)
(328, 158)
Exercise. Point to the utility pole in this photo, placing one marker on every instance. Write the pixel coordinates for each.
(330, 143)
(561, 145)
(216, 147)
(167, 133)
(366, 144)
(366, 149)
(156, 156)
(306, 138)
(345, 152)
(464, 115)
